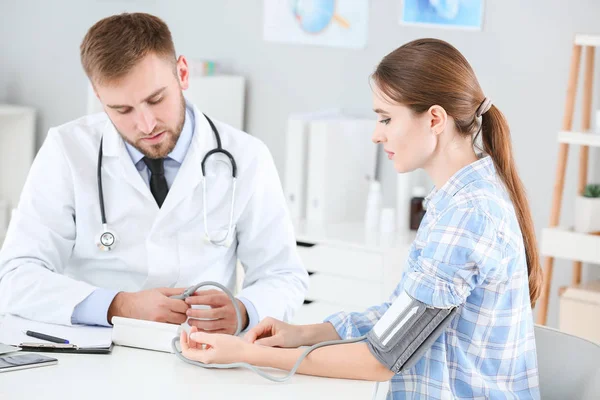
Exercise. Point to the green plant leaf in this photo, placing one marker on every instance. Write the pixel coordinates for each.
(592, 190)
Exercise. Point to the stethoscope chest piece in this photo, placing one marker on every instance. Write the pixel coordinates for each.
(106, 240)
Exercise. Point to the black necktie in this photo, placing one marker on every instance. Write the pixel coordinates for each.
(158, 182)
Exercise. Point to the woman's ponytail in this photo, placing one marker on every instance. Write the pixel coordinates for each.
(497, 143)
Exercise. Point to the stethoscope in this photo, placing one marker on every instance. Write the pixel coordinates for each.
(107, 239)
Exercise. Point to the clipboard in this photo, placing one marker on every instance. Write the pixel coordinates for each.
(64, 348)
(82, 339)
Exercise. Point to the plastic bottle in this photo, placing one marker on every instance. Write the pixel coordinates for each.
(373, 206)
(403, 194)
(387, 220)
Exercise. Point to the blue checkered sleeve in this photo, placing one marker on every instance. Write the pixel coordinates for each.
(356, 324)
(462, 248)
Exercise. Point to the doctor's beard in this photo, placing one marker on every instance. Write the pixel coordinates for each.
(168, 142)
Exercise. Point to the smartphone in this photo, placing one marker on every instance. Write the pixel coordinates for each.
(23, 361)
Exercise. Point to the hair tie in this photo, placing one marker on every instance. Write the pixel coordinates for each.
(485, 105)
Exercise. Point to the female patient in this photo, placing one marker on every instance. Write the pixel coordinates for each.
(475, 247)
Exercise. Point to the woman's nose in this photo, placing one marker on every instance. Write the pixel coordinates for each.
(377, 137)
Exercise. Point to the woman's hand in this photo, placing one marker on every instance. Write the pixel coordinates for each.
(274, 333)
(217, 348)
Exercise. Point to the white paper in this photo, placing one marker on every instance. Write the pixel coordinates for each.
(13, 328)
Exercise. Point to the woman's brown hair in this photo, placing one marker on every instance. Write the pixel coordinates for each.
(429, 72)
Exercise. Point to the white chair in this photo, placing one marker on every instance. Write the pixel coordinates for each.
(569, 366)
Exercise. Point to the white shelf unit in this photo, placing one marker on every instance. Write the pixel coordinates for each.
(557, 242)
(587, 40)
(560, 242)
(350, 269)
(221, 97)
(565, 243)
(579, 138)
(17, 149)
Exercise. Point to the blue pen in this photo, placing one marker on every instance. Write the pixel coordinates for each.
(49, 338)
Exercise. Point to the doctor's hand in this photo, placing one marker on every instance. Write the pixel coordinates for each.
(150, 305)
(215, 348)
(220, 318)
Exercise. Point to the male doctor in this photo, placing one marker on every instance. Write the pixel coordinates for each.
(55, 266)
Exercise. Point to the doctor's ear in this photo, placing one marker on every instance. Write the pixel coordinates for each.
(183, 72)
(95, 92)
(438, 118)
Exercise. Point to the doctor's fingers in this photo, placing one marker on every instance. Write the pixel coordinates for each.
(204, 292)
(171, 291)
(211, 313)
(174, 318)
(178, 306)
(213, 298)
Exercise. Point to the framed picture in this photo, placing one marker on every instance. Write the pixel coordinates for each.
(457, 14)
(335, 23)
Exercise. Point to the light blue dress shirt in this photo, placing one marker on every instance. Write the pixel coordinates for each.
(93, 309)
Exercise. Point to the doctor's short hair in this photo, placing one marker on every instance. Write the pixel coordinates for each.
(114, 45)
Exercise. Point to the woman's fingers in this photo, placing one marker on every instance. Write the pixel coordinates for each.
(271, 341)
(183, 341)
(263, 328)
(190, 348)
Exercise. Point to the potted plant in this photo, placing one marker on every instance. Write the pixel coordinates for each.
(587, 210)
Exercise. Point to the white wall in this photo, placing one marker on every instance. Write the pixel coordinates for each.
(521, 57)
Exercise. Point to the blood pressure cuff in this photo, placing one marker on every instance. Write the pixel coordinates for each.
(406, 331)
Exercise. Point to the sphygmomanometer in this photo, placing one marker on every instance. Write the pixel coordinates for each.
(398, 340)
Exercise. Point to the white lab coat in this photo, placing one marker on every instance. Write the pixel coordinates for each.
(50, 263)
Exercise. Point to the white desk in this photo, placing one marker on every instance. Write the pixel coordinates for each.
(340, 252)
(130, 373)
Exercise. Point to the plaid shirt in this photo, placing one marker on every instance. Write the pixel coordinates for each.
(468, 250)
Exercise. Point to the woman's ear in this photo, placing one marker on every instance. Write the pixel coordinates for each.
(438, 118)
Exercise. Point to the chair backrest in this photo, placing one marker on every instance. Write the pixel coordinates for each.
(569, 366)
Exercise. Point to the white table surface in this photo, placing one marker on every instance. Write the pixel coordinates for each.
(129, 373)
